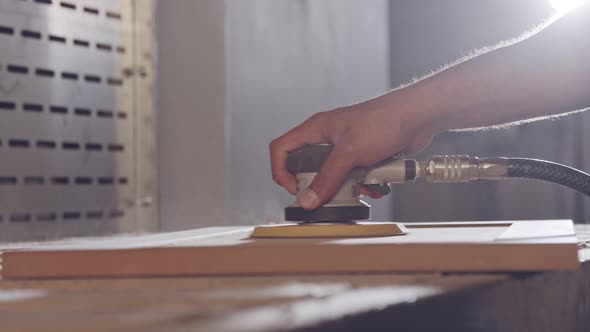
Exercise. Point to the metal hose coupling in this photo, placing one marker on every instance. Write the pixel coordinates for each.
(462, 168)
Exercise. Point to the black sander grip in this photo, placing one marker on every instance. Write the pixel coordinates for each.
(310, 159)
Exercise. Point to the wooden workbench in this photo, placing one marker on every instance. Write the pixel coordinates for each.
(555, 301)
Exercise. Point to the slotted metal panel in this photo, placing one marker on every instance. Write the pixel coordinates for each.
(71, 75)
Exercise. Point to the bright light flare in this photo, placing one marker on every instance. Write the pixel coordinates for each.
(562, 6)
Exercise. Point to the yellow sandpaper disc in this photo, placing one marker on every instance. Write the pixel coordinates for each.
(360, 229)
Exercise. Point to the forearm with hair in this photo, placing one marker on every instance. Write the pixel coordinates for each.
(543, 74)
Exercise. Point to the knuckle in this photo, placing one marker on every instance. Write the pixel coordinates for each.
(320, 192)
(348, 148)
(276, 177)
(325, 186)
(275, 144)
(317, 117)
(349, 152)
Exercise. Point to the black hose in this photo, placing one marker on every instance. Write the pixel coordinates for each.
(551, 172)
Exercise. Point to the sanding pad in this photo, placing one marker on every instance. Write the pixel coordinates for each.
(328, 213)
(327, 230)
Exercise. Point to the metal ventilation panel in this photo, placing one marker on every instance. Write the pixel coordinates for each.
(69, 90)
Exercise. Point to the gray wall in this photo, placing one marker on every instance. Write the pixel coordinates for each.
(234, 75)
(191, 134)
(287, 60)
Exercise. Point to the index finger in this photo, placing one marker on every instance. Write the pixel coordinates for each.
(280, 148)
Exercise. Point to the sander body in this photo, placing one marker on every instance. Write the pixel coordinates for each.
(346, 205)
(343, 214)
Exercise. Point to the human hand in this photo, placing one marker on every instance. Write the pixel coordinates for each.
(362, 135)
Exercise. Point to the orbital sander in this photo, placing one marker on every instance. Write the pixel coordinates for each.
(346, 205)
(341, 216)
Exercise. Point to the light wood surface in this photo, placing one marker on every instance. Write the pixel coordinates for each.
(212, 304)
(486, 302)
(329, 230)
(478, 247)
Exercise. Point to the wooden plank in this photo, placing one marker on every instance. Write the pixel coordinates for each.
(484, 302)
(555, 301)
(522, 246)
(540, 302)
(213, 304)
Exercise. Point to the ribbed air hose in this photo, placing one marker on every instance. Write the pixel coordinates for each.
(551, 172)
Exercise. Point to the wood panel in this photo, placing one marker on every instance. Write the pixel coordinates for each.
(213, 304)
(482, 247)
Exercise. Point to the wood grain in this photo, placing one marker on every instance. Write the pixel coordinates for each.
(230, 251)
(553, 301)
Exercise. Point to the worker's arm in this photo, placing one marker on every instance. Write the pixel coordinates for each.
(545, 74)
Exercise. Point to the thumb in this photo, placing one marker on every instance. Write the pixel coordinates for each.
(328, 180)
